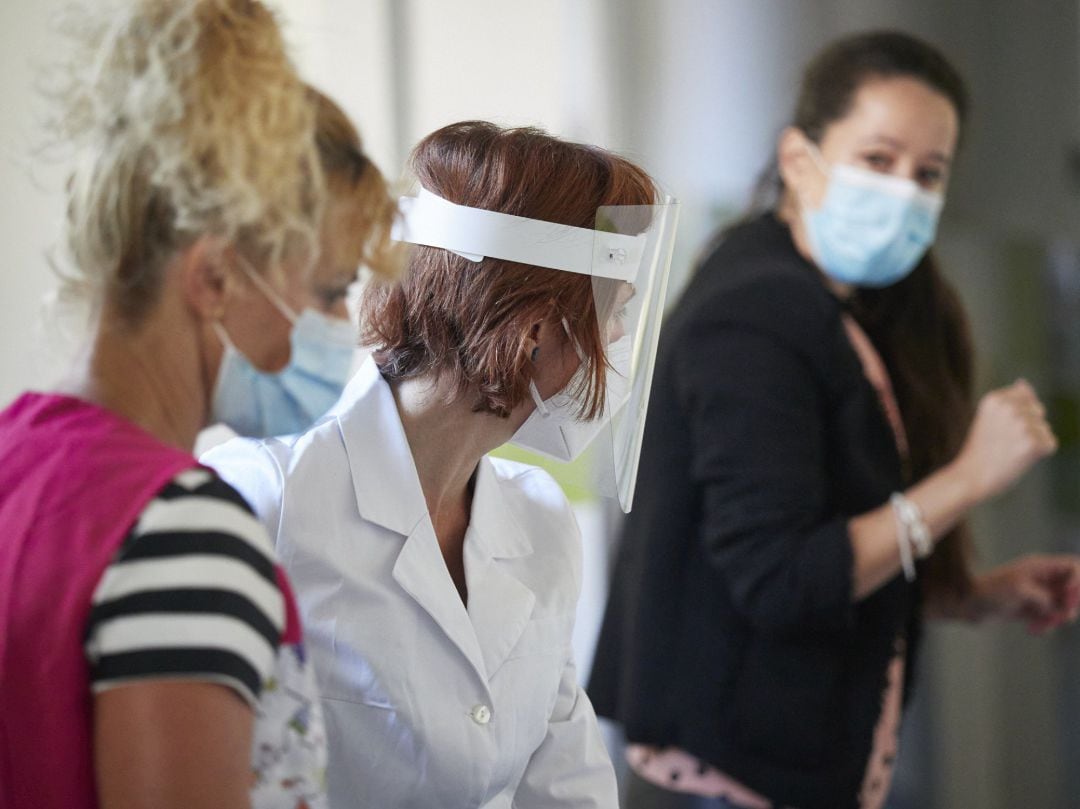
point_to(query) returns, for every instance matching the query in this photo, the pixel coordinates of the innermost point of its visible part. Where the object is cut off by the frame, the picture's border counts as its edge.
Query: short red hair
(470, 319)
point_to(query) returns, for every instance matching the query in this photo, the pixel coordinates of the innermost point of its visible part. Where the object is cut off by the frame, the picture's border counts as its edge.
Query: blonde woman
(355, 231)
(150, 651)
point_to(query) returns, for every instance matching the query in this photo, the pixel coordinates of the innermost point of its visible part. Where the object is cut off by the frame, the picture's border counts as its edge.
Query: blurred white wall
(31, 207)
(345, 48)
(388, 62)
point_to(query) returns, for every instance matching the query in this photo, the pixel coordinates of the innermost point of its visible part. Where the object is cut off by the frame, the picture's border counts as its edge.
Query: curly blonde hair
(192, 121)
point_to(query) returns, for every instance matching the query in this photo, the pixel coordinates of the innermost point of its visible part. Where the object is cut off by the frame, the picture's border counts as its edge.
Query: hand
(1009, 435)
(1044, 591)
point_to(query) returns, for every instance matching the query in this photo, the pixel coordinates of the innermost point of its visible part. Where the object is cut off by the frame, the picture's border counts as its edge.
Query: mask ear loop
(229, 348)
(271, 295)
(573, 340)
(268, 290)
(541, 407)
(223, 335)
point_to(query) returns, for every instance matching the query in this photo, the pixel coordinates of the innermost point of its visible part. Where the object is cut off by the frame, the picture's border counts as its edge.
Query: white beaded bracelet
(903, 539)
(918, 533)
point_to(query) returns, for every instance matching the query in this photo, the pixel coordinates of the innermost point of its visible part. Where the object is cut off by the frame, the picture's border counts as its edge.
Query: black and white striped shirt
(193, 593)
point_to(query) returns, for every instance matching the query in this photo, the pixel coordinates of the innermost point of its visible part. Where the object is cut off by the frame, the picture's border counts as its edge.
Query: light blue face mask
(872, 229)
(259, 404)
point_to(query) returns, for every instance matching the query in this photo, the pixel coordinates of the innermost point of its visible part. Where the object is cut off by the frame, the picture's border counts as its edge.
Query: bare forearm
(943, 498)
(1009, 435)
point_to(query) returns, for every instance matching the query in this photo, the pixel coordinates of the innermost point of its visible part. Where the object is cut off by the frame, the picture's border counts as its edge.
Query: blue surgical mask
(872, 229)
(257, 403)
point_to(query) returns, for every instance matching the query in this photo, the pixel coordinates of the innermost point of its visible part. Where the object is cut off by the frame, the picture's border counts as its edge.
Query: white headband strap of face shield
(476, 233)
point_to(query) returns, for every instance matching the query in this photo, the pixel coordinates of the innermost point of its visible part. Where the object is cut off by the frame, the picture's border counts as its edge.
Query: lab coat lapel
(384, 479)
(388, 493)
(500, 604)
(421, 572)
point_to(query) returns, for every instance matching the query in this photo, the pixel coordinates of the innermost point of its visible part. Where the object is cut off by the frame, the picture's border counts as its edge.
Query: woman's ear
(793, 158)
(205, 278)
(532, 342)
(545, 341)
(801, 169)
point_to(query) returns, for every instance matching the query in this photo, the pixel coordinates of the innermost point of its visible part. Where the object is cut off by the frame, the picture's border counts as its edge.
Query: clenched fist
(1009, 435)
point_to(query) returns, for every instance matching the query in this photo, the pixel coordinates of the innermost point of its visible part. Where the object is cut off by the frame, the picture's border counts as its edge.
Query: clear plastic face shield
(627, 255)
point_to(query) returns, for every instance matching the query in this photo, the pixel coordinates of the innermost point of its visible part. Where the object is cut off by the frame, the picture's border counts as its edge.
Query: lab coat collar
(384, 477)
(498, 533)
(388, 492)
(500, 604)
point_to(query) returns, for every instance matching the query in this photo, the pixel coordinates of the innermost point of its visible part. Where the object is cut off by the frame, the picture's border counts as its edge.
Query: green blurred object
(1064, 412)
(1061, 326)
(1064, 415)
(572, 477)
(1029, 340)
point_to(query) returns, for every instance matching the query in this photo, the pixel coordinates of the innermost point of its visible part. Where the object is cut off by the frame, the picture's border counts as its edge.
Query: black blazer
(730, 629)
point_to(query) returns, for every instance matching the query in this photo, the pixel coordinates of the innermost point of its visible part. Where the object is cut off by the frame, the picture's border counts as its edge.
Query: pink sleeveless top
(73, 479)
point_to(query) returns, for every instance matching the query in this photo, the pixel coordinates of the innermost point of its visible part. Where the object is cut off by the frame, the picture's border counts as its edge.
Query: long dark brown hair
(918, 325)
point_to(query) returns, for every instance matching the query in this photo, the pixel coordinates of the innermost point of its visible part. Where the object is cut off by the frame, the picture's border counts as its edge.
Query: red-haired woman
(438, 585)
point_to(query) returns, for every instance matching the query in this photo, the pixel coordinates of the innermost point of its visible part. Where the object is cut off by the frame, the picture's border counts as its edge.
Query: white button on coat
(401, 660)
(481, 714)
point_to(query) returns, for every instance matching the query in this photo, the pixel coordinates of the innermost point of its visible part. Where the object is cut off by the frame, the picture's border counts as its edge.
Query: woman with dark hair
(812, 450)
(438, 585)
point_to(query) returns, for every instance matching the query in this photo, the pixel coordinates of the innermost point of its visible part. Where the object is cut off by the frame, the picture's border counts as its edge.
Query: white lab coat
(428, 704)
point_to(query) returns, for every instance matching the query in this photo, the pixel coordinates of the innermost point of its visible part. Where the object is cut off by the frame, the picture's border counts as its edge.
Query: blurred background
(697, 91)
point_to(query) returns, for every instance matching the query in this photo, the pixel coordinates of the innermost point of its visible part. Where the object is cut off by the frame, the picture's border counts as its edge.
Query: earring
(535, 353)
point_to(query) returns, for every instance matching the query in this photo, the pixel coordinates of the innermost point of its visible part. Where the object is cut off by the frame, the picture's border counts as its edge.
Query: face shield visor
(627, 256)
